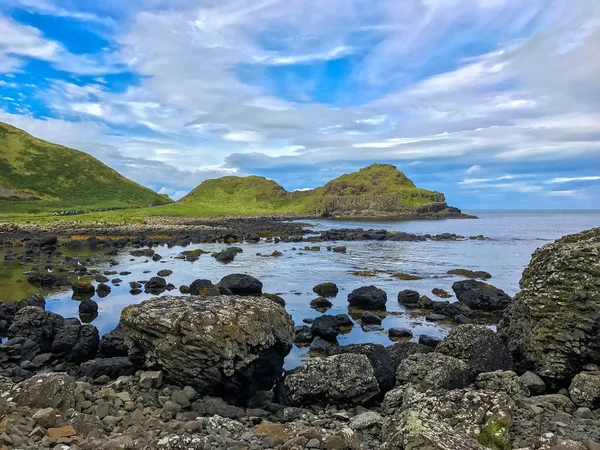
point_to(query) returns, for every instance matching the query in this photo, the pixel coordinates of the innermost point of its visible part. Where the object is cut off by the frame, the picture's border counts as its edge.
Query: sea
(511, 238)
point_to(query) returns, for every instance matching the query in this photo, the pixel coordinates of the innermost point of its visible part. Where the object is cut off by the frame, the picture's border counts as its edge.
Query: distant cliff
(379, 190)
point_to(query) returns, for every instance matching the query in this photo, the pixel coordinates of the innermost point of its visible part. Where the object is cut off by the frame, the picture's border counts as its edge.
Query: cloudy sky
(494, 102)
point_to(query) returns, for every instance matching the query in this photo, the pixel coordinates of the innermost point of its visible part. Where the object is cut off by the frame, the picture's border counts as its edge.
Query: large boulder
(585, 390)
(326, 289)
(463, 419)
(111, 367)
(368, 297)
(76, 343)
(37, 325)
(402, 350)
(326, 327)
(408, 297)
(482, 296)
(481, 348)
(553, 326)
(8, 310)
(225, 346)
(345, 380)
(47, 390)
(432, 371)
(242, 284)
(383, 364)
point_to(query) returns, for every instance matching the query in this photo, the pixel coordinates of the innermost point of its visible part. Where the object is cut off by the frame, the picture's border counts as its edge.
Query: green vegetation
(493, 434)
(41, 177)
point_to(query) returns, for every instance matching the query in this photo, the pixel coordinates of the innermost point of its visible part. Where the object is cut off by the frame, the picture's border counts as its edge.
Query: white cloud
(571, 179)
(243, 136)
(473, 169)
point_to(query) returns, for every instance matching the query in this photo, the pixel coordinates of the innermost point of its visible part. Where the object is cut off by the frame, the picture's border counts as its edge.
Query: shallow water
(513, 237)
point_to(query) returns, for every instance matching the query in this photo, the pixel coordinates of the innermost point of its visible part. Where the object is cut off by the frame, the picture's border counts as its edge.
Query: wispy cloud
(572, 179)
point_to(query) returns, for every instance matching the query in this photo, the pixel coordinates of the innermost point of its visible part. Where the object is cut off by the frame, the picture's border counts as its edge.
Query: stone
(319, 344)
(320, 302)
(365, 421)
(37, 325)
(210, 406)
(500, 380)
(46, 390)
(380, 359)
(156, 285)
(481, 296)
(402, 350)
(151, 379)
(45, 417)
(77, 343)
(326, 327)
(585, 390)
(431, 371)
(429, 341)
(409, 297)
(224, 345)
(368, 297)
(553, 326)
(346, 379)
(368, 317)
(88, 306)
(242, 284)
(400, 333)
(326, 290)
(481, 348)
(112, 344)
(62, 432)
(534, 383)
(113, 368)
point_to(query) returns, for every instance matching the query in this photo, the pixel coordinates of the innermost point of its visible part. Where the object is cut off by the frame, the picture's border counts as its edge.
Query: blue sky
(496, 103)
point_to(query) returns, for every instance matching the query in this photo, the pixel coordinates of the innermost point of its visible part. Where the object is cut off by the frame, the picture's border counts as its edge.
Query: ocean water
(513, 237)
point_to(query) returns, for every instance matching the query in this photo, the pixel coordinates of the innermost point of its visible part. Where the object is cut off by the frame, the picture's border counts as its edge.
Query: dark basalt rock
(482, 296)
(242, 284)
(37, 325)
(47, 280)
(111, 367)
(227, 255)
(88, 307)
(383, 365)
(113, 344)
(326, 289)
(240, 349)
(156, 285)
(77, 343)
(553, 326)
(409, 298)
(402, 350)
(481, 348)
(326, 327)
(368, 297)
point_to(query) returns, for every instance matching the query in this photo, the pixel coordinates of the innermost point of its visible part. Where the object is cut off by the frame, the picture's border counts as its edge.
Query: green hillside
(38, 176)
(377, 190)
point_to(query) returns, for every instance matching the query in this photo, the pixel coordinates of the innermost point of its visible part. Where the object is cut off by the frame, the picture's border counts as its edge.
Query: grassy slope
(56, 178)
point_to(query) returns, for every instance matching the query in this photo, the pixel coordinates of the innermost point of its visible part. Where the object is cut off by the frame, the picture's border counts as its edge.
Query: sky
(496, 103)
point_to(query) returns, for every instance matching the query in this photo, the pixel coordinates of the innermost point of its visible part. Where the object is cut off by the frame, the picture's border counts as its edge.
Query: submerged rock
(226, 346)
(346, 379)
(553, 326)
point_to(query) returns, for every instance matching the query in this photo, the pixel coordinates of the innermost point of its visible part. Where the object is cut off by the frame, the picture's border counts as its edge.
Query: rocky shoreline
(205, 371)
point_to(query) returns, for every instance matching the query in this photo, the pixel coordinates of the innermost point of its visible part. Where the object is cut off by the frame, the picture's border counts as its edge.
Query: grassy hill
(377, 190)
(38, 176)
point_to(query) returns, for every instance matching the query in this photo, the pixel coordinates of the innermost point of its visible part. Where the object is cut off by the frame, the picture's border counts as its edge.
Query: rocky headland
(205, 371)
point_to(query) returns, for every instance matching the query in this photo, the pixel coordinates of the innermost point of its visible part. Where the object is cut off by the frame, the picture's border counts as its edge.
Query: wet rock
(164, 273)
(88, 307)
(346, 379)
(430, 371)
(77, 343)
(383, 365)
(400, 333)
(429, 341)
(409, 298)
(553, 326)
(585, 390)
(320, 302)
(47, 390)
(200, 287)
(45, 279)
(241, 284)
(113, 344)
(368, 297)
(239, 351)
(481, 348)
(435, 317)
(319, 344)
(156, 285)
(481, 296)
(227, 255)
(470, 273)
(303, 334)
(326, 289)
(368, 317)
(37, 325)
(103, 290)
(276, 298)
(441, 293)
(326, 327)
